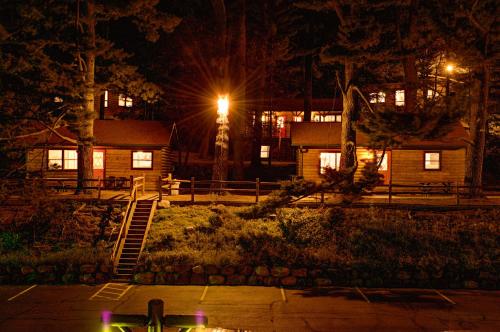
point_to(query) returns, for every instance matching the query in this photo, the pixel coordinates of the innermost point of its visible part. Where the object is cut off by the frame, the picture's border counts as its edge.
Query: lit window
(377, 97)
(55, 158)
(142, 159)
(400, 97)
(316, 117)
(124, 100)
(264, 151)
(62, 160)
(432, 160)
(338, 118)
(280, 122)
(329, 159)
(58, 100)
(383, 164)
(106, 98)
(98, 160)
(329, 118)
(297, 119)
(70, 159)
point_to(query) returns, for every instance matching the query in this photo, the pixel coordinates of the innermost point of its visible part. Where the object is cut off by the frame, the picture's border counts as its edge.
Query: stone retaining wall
(249, 275)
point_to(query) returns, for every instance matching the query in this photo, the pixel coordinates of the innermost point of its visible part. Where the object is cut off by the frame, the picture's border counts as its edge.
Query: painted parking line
(283, 294)
(446, 298)
(111, 291)
(204, 294)
(21, 293)
(362, 294)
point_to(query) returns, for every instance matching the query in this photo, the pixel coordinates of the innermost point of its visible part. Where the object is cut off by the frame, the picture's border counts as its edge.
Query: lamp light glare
(223, 105)
(450, 67)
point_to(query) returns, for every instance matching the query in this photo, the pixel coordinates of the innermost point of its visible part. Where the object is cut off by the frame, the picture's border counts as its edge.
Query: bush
(10, 241)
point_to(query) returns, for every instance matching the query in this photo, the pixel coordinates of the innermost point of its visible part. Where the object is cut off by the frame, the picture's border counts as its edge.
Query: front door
(98, 163)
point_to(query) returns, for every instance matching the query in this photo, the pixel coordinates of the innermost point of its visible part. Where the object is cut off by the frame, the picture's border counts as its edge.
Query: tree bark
(308, 90)
(478, 127)
(238, 112)
(85, 122)
(411, 83)
(348, 133)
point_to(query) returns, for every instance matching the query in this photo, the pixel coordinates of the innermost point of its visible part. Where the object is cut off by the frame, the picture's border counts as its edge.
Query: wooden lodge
(416, 161)
(122, 148)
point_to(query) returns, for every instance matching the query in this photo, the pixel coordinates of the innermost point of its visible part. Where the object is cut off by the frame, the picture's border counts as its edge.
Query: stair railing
(127, 219)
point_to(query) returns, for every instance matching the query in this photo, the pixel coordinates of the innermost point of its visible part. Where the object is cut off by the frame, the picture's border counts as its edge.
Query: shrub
(10, 241)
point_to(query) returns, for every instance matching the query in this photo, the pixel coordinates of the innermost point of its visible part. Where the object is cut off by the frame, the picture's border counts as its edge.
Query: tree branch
(355, 88)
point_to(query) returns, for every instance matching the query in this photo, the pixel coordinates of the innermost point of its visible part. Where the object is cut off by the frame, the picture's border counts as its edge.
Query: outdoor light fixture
(450, 67)
(223, 105)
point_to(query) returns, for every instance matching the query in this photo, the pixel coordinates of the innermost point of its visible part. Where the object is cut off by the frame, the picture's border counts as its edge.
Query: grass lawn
(385, 239)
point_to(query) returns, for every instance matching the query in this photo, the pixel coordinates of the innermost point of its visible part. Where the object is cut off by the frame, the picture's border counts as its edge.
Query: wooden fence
(258, 188)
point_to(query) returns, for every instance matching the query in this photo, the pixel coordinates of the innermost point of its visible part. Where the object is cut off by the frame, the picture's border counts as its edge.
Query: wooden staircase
(132, 242)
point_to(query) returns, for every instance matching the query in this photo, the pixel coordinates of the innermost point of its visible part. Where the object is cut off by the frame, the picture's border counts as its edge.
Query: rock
(198, 269)
(216, 280)
(69, 278)
(182, 268)
(144, 278)
(280, 271)
(46, 268)
(155, 268)
(236, 279)
(322, 282)
(245, 270)
(182, 279)
(27, 270)
(87, 278)
(403, 275)
(271, 281)
(198, 279)
(315, 273)
(301, 273)
(105, 268)
(211, 269)
(87, 268)
(471, 284)
(262, 271)
(289, 281)
(228, 270)
(168, 269)
(101, 277)
(163, 204)
(164, 278)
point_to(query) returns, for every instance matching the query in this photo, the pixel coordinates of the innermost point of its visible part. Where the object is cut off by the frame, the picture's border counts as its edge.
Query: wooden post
(159, 189)
(131, 184)
(192, 189)
(390, 192)
(143, 183)
(457, 190)
(99, 188)
(322, 197)
(257, 190)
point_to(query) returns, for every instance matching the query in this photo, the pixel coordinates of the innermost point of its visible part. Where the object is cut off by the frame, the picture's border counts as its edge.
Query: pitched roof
(118, 133)
(327, 134)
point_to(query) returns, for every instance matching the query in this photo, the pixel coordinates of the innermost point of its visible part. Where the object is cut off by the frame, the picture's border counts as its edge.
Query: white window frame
(64, 163)
(94, 158)
(139, 157)
(329, 159)
(399, 97)
(377, 97)
(431, 164)
(106, 96)
(264, 151)
(124, 100)
(383, 165)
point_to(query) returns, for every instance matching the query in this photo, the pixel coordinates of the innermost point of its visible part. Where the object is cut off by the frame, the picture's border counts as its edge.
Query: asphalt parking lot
(79, 307)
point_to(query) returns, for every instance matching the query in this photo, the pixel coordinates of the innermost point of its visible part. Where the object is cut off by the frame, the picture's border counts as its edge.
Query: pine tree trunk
(348, 134)
(239, 111)
(477, 160)
(308, 90)
(85, 122)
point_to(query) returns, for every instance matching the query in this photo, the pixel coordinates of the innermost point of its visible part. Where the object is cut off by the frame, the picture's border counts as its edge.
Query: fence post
(131, 184)
(192, 189)
(322, 197)
(457, 189)
(257, 190)
(159, 189)
(390, 192)
(99, 188)
(143, 183)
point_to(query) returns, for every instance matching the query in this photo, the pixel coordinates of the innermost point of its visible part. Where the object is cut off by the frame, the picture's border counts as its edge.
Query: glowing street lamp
(450, 67)
(449, 70)
(221, 143)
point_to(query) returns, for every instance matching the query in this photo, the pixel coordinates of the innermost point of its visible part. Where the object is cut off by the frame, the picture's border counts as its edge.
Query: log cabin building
(122, 148)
